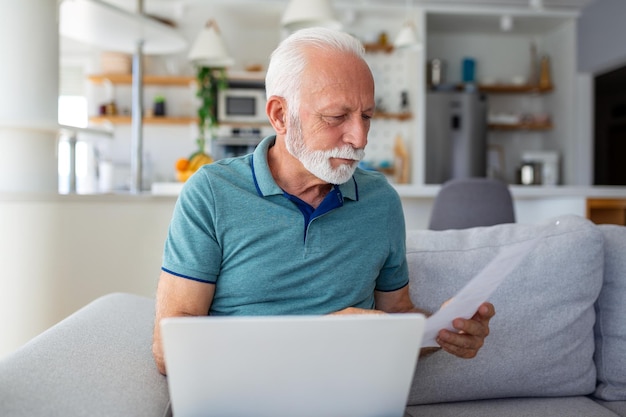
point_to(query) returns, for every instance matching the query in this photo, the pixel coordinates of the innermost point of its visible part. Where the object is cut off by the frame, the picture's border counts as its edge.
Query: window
(72, 100)
(72, 111)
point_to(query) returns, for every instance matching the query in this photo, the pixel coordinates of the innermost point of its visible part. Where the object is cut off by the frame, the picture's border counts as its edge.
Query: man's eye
(335, 119)
(366, 117)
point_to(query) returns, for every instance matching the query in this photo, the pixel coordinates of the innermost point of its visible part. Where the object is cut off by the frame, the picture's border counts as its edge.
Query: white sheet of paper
(477, 290)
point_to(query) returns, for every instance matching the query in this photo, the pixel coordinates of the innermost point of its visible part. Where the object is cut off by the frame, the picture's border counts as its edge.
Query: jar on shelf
(545, 76)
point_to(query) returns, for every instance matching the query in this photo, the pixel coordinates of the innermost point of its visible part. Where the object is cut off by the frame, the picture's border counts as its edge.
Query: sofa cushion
(541, 341)
(610, 326)
(618, 407)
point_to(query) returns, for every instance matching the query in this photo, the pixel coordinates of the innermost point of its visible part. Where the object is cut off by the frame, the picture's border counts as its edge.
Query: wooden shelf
(377, 47)
(393, 116)
(607, 210)
(165, 80)
(168, 120)
(521, 126)
(147, 120)
(513, 89)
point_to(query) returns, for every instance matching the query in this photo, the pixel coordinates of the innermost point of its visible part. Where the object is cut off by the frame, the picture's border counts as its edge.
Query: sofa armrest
(96, 362)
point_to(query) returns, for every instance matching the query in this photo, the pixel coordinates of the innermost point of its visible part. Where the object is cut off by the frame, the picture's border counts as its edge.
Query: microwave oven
(242, 103)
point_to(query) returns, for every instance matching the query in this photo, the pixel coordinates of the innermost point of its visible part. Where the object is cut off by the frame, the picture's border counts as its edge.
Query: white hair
(288, 61)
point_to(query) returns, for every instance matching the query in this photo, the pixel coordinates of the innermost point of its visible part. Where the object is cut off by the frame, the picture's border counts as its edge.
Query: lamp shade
(301, 14)
(506, 23)
(407, 38)
(209, 49)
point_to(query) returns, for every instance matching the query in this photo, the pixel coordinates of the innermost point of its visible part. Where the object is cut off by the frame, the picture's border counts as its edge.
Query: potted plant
(209, 80)
(159, 105)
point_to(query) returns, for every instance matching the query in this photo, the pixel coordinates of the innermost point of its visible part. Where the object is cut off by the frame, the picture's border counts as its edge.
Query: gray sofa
(557, 346)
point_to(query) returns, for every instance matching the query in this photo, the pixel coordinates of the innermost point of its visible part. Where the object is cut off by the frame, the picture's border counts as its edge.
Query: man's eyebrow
(369, 110)
(346, 109)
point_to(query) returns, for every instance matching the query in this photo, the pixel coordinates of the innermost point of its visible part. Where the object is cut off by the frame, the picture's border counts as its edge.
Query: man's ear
(276, 109)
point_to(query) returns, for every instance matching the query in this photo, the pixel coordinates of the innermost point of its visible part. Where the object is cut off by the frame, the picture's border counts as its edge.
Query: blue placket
(333, 200)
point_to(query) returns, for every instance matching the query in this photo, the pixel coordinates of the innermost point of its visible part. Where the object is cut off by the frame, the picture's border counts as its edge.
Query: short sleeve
(191, 248)
(394, 274)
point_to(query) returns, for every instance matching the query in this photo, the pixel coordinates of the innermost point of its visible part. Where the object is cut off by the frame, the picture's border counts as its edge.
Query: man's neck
(293, 178)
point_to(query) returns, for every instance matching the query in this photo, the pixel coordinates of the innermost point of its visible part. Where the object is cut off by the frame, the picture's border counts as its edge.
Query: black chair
(471, 202)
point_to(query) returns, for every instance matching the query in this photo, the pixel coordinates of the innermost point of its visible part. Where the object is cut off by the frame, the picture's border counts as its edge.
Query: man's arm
(178, 297)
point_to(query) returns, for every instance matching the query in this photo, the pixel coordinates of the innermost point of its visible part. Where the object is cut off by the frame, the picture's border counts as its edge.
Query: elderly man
(296, 227)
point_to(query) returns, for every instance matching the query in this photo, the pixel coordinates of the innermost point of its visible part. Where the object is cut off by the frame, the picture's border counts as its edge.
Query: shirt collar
(265, 183)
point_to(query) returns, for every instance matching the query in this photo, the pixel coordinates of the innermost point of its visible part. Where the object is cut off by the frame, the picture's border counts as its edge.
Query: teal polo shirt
(269, 254)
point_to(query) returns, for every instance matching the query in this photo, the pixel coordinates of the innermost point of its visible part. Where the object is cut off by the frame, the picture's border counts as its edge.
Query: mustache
(346, 152)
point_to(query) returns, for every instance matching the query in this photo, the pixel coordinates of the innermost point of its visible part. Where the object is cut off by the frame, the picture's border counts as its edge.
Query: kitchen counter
(532, 203)
(527, 191)
(118, 197)
(60, 252)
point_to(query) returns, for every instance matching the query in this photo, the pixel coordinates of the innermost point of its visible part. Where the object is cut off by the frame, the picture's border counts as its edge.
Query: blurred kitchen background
(520, 59)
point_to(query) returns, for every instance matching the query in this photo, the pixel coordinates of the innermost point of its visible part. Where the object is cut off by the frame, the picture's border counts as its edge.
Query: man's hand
(472, 333)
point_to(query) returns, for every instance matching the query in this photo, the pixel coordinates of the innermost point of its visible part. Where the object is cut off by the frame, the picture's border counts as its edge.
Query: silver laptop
(291, 366)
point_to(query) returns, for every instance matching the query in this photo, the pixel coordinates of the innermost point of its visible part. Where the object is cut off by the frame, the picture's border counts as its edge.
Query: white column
(29, 73)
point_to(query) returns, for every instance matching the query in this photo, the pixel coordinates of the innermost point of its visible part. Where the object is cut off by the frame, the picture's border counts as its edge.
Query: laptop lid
(291, 366)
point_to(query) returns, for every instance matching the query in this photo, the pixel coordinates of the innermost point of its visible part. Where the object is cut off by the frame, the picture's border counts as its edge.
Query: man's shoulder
(373, 185)
(237, 162)
(221, 174)
(228, 168)
(372, 179)
(369, 174)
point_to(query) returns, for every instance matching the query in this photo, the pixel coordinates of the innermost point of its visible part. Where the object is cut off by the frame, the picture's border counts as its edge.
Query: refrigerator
(456, 135)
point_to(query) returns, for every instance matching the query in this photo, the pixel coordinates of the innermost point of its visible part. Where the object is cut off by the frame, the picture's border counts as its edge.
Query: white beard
(318, 162)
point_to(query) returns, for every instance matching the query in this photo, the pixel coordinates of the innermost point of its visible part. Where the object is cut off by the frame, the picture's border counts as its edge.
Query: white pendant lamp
(209, 49)
(301, 14)
(407, 38)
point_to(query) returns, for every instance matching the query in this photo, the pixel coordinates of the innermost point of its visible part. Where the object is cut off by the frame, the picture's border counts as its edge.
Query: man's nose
(356, 134)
